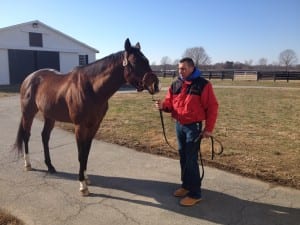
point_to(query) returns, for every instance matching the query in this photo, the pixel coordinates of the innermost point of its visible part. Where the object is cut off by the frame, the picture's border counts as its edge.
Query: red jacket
(192, 101)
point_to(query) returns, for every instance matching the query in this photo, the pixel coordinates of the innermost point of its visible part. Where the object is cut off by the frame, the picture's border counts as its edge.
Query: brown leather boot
(188, 201)
(180, 192)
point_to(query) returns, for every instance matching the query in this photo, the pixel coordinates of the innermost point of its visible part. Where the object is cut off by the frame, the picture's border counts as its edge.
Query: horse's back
(42, 78)
(41, 84)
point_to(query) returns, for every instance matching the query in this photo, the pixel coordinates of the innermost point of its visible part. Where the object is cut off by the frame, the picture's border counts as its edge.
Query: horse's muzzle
(151, 83)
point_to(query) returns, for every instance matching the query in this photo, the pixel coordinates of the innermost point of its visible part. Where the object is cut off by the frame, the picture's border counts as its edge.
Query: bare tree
(262, 62)
(153, 63)
(176, 61)
(198, 54)
(287, 58)
(248, 62)
(165, 60)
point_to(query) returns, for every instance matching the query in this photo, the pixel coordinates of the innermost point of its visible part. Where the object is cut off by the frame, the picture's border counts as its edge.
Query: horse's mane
(100, 65)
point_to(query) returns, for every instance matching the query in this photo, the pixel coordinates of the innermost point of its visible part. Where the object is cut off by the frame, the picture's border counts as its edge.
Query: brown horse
(80, 97)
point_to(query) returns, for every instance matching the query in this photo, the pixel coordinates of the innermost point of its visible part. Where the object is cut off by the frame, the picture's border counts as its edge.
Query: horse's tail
(28, 107)
(18, 146)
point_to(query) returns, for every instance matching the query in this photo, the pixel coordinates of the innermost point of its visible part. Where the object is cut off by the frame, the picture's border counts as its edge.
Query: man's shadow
(216, 207)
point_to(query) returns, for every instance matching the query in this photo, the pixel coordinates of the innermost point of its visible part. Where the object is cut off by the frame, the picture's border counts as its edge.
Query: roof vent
(35, 25)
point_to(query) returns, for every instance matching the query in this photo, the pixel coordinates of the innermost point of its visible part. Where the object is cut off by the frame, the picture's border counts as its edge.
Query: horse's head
(137, 70)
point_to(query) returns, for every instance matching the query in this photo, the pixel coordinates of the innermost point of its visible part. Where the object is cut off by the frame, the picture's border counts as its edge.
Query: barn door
(24, 62)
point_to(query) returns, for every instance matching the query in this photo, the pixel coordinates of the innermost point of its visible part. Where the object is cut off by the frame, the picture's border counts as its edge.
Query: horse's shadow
(216, 207)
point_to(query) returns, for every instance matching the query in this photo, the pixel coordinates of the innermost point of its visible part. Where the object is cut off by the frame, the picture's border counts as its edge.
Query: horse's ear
(127, 45)
(138, 46)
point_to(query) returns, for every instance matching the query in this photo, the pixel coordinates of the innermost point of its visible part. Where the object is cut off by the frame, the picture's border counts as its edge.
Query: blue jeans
(188, 152)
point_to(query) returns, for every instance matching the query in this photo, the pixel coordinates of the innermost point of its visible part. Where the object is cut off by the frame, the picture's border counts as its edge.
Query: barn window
(83, 60)
(35, 39)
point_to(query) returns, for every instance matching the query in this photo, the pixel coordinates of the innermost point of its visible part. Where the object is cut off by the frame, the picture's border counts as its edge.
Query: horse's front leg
(85, 133)
(84, 147)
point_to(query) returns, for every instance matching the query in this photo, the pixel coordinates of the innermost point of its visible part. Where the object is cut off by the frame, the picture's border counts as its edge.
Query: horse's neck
(106, 84)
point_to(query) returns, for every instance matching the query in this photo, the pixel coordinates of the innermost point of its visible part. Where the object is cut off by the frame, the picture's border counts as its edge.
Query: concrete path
(128, 187)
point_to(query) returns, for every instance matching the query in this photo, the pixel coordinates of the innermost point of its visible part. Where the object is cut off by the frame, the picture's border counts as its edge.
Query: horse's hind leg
(26, 127)
(48, 126)
(26, 136)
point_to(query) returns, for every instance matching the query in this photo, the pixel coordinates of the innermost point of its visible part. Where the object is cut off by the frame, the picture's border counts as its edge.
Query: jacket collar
(195, 74)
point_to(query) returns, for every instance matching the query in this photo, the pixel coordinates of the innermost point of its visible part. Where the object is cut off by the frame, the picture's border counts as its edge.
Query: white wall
(68, 61)
(4, 68)
(17, 37)
(92, 57)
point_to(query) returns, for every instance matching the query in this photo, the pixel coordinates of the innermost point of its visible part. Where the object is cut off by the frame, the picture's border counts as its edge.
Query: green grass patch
(7, 90)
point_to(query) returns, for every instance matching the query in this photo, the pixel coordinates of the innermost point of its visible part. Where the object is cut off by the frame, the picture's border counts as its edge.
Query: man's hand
(206, 134)
(158, 104)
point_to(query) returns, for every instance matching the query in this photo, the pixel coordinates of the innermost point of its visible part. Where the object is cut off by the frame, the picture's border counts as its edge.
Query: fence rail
(240, 74)
(278, 75)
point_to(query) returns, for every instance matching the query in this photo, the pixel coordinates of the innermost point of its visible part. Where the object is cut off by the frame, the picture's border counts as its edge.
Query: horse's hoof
(28, 167)
(84, 192)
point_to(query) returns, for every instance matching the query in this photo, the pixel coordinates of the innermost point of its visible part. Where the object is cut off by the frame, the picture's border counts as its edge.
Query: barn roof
(48, 27)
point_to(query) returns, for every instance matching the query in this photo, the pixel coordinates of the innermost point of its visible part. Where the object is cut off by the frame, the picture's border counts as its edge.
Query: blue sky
(229, 30)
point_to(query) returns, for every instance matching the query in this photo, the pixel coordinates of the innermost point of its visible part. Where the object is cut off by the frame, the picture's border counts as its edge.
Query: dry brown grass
(7, 219)
(259, 129)
(7, 90)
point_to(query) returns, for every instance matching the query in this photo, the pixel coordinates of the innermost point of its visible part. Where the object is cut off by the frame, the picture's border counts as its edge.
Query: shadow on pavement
(216, 207)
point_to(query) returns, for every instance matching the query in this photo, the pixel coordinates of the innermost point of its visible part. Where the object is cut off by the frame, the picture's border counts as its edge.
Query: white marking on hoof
(27, 164)
(83, 188)
(27, 167)
(85, 192)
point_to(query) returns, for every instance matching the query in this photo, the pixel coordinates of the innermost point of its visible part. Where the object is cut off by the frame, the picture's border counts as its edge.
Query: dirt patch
(7, 219)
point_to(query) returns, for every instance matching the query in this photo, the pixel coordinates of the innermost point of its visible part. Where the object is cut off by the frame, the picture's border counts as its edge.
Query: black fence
(278, 75)
(218, 74)
(206, 74)
(229, 74)
(166, 73)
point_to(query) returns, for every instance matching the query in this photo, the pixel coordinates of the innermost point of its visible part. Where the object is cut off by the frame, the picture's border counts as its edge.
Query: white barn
(34, 45)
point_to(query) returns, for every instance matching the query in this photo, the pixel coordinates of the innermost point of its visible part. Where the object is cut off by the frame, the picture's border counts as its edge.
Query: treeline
(230, 66)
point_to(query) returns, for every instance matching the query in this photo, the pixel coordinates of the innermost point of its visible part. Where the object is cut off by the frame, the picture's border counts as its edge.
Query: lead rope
(212, 139)
(213, 152)
(163, 127)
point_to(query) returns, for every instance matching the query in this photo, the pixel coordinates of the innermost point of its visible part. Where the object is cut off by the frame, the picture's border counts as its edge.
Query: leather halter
(128, 68)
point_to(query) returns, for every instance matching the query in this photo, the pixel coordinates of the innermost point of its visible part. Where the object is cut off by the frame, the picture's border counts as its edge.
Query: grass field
(7, 219)
(259, 128)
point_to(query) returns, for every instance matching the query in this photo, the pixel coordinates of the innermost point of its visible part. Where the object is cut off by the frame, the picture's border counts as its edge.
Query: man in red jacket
(190, 100)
